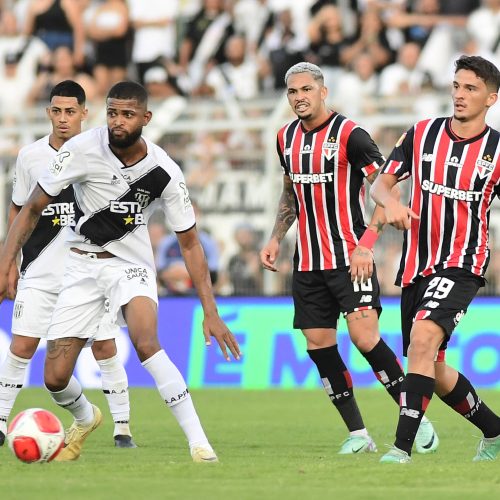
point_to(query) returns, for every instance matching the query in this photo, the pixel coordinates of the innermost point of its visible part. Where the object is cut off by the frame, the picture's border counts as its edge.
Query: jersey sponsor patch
(184, 193)
(60, 162)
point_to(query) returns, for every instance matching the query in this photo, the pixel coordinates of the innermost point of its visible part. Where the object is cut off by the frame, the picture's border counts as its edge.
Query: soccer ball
(35, 435)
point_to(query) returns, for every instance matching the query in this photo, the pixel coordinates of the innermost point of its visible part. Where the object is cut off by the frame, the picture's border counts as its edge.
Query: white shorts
(32, 316)
(94, 291)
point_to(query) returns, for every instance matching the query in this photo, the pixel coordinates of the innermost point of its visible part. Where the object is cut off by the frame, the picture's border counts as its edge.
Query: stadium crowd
(397, 53)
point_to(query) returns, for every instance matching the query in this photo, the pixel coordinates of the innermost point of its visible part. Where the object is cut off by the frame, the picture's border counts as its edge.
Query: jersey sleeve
(280, 150)
(69, 166)
(362, 152)
(21, 184)
(177, 204)
(400, 160)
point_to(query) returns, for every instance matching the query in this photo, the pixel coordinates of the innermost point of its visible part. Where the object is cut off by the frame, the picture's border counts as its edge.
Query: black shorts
(442, 297)
(320, 296)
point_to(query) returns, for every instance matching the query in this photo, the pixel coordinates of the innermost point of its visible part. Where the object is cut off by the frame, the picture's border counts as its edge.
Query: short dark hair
(69, 88)
(128, 90)
(483, 68)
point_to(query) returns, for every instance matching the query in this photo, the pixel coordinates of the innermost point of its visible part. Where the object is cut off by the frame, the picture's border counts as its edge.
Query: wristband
(368, 239)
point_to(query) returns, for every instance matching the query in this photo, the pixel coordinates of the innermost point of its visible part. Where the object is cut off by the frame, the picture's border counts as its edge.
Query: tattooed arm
(19, 233)
(284, 219)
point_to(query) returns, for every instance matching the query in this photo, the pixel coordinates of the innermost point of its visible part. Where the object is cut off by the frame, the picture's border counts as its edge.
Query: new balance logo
(365, 299)
(409, 413)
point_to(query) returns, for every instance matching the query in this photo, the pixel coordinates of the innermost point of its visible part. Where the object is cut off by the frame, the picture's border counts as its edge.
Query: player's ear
(147, 117)
(492, 99)
(324, 93)
(85, 114)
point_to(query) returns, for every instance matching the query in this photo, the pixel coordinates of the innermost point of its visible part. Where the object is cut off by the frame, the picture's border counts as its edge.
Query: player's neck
(131, 154)
(56, 142)
(315, 122)
(467, 129)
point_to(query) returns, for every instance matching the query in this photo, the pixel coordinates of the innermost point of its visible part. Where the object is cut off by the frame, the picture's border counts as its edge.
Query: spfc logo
(330, 148)
(485, 166)
(18, 309)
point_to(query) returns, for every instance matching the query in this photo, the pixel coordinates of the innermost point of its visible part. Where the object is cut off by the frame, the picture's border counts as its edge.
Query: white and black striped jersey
(453, 183)
(43, 255)
(113, 202)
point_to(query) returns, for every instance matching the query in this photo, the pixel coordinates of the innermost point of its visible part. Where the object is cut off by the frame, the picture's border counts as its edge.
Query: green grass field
(271, 445)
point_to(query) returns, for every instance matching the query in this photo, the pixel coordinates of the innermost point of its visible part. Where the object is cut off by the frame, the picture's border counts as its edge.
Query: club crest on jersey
(60, 162)
(143, 197)
(330, 148)
(485, 166)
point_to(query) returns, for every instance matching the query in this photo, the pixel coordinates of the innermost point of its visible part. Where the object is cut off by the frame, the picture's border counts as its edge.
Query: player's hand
(213, 326)
(398, 215)
(361, 264)
(12, 282)
(269, 255)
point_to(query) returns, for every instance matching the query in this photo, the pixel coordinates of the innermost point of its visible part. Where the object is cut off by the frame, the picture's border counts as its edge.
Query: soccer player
(325, 158)
(42, 268)
(119, 178)
(454, 165)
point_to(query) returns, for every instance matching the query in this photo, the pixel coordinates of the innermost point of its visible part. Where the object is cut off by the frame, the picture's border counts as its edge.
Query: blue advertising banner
(274, 353)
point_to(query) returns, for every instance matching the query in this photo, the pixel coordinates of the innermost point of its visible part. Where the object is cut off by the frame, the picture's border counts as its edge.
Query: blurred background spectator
(172, 273)
(108, 30)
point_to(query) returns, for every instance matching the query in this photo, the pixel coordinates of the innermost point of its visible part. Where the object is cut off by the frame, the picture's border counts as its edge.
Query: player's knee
(366, 342)
(23, 347)
(56, 379)
(104, 349)
(146, 347)
(421, 347)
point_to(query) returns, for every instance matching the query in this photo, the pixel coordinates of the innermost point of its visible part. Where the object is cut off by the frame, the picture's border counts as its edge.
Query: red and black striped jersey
(327, 166)
(453, 184)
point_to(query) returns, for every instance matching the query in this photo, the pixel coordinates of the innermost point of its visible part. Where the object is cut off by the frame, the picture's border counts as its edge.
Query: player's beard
(127, 140)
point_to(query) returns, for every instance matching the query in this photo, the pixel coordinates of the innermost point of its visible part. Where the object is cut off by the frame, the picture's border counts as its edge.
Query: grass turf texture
(271, 445)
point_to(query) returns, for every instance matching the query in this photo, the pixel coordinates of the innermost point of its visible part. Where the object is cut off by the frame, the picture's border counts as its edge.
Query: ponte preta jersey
(113, 202)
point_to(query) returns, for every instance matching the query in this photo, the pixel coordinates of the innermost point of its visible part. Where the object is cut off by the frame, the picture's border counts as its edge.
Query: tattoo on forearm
(379, 226)
(26, 232)
(286, 214)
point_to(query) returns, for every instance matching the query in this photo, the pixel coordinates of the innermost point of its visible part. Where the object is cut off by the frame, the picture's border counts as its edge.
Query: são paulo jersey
(43, 255)
(454, 182)
(113, 202)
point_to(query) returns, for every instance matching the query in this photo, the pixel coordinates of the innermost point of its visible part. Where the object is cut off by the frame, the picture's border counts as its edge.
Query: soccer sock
(416, 393)
(71, 398)
(464, 400)
(12, 375)
(387, 368)
(338, 385)
(115, 387)
(173, 390)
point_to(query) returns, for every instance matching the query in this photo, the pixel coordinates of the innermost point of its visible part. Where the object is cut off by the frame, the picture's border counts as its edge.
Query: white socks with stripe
(173, 390)
(71, 398)
(12, 374)
(115, 387)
